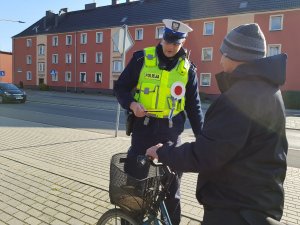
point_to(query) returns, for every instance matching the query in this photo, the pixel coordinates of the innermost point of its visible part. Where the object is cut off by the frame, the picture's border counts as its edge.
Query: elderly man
(241, 153)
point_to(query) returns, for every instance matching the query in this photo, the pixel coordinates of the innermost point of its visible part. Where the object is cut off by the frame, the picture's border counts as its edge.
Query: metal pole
(123, 66)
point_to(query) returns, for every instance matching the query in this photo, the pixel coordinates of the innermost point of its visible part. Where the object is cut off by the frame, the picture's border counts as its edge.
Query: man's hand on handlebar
(151, 152)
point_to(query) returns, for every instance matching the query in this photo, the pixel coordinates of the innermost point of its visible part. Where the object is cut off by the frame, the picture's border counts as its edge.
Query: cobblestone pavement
(53, 175)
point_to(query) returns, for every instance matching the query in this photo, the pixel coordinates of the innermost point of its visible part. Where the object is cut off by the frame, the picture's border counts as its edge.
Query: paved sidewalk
(54, 175)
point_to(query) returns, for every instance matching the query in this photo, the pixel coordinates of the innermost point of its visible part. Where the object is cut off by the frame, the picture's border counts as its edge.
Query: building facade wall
(196, 42)
(6, 66)
(288, 39)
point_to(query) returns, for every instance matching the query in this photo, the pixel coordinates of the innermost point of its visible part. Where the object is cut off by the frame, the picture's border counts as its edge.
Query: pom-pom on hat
(175, 31)
(244, 43)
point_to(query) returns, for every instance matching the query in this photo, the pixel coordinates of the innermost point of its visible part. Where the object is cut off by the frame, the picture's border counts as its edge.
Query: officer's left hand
(152, 151)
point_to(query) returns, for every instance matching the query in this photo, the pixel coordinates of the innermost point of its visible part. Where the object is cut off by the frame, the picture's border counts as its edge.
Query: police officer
(164, 86)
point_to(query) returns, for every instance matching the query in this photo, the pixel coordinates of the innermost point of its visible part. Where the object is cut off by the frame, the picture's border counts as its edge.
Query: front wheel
(116, 217)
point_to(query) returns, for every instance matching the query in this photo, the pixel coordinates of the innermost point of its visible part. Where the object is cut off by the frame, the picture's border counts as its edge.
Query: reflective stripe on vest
(154, 85)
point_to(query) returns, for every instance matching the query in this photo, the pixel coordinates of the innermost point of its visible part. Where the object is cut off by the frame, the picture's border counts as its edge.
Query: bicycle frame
(164, 214)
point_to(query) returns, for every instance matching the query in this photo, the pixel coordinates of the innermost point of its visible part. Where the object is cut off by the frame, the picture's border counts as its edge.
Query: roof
(150, 12)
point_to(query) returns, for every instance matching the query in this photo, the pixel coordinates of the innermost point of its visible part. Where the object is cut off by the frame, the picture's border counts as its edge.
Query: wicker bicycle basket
(134, 195)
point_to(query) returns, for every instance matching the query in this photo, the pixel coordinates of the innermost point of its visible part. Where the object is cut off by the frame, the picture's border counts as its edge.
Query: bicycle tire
(118, 215)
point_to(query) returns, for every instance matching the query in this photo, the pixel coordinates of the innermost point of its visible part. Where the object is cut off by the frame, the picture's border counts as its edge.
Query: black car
(11, 93)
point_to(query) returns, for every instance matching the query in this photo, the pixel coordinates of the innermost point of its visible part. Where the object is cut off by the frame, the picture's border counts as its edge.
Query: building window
(98, 77)
(209, 28)
(115, 48)
(68, 58)
(28, 75)
(159, 32)
(69, 40)
(41, 49)
(98, 57)
(274, 49)
(54, 58)
(28, 43)
(28, 59)
(276, 22)
(83, 38)
(83, 77)
(41, 67)
(54, 76)
(207, 54)
(99, 37)
(205, 79)
(82, 57)
(117, 66)
(68, 76)
(55, 41)
(139, 34)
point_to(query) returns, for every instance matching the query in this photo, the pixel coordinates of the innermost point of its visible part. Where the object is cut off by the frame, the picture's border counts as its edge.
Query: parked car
(11, 93)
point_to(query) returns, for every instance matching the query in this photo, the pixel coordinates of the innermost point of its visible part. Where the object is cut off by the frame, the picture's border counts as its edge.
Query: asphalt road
(96, 114)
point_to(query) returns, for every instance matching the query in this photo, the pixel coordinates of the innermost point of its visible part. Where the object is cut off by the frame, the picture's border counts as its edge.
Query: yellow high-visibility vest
(154, 85)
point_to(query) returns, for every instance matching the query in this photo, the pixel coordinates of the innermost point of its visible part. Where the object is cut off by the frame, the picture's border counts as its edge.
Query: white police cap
(175, 31)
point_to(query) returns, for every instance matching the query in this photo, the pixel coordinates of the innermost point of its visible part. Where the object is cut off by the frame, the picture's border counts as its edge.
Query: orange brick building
(73, 51)
(5, 67)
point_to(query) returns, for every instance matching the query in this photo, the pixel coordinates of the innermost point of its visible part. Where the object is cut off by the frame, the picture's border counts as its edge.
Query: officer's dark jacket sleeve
(193, 103)
(219, 141)
(128, 80)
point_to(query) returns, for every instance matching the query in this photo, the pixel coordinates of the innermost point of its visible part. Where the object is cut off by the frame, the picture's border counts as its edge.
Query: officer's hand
(138, 109)
(151, 152)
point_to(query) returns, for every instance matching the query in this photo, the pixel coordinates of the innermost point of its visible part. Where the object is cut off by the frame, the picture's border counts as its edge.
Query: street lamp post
(16, 21)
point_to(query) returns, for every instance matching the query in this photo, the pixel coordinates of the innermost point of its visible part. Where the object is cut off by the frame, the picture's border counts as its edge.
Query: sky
(30, 11)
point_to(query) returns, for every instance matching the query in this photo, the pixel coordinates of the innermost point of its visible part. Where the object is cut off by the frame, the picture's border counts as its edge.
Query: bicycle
(139, 201)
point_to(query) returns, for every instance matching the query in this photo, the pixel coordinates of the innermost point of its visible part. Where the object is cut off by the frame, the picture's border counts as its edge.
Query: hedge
(291, 99)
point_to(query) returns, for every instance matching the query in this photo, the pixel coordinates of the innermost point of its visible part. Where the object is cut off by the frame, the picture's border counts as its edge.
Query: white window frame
(84, 77)
(117, 66)
(28, 43)
(83, 57)
(28, 75)
(98, 74)
(41, 66)
(202, 79)
(68, 58)
(159, 32)
(68, 76)
(54, 58)
(83, 38)
(28, 59)
(271, 22)
(203, 55)
(205, 28)
(68, 39)
(55, 41)
(54, 77)
(41, 49)
(99, 57)
(274, 46)
(99, 37)
(139, 34)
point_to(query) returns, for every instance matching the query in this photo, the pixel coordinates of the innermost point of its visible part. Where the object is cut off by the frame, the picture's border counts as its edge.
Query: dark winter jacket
(129, 78)
(241, 154)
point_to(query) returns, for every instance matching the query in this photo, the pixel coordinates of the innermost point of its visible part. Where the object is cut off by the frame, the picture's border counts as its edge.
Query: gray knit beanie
(244, 43)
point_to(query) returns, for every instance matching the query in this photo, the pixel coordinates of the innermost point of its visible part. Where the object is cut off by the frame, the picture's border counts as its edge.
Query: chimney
(127, 1)
(114, 2)
(49, 19)
(90, 6)
(63, 10)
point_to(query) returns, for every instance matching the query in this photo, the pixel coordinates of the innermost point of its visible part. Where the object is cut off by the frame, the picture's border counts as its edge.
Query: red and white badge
(178, 90)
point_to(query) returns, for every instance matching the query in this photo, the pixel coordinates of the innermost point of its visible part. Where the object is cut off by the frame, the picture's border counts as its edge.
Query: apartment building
(74, 51)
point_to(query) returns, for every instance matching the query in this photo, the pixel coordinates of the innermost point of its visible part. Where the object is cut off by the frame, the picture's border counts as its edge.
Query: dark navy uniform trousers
(146, 134)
